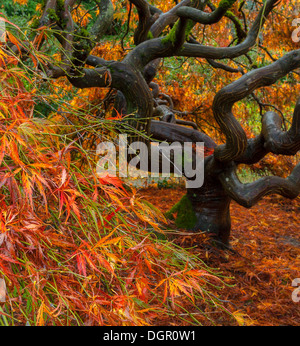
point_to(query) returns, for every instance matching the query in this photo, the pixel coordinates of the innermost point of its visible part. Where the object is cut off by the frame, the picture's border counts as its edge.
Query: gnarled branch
(248, 195)
(104, 19)
(204, 17)
(145, 21)
(192, 50)
(166, 19)
(278, 141)
(130, 82)
(236, 140)
(170, 132)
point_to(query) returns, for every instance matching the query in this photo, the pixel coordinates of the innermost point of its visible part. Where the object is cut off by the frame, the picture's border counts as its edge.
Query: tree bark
(206, 208)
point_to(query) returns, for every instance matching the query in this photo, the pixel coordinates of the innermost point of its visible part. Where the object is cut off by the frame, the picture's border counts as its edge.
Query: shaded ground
(265, 260)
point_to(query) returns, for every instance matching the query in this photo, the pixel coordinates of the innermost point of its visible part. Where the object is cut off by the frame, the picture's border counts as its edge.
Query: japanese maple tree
(168, 30)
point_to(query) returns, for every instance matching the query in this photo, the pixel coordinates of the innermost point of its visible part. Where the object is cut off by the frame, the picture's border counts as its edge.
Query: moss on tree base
(186, 217)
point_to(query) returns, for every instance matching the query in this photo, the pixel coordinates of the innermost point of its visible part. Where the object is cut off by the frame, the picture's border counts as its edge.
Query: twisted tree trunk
(206, 208)
(209, 208)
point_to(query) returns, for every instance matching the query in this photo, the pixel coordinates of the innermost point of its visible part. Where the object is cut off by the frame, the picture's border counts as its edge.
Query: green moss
(52, 15)
(186, 217)
(171, 37)
(231, 15)
(82, 33)
(55, 15)
(189, 27)
(149, 35)
(226, 4)
(82, 44)
(237, 24)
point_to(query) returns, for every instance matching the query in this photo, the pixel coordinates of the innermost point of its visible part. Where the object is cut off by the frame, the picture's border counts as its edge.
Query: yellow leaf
(242, 318)
(40, 318)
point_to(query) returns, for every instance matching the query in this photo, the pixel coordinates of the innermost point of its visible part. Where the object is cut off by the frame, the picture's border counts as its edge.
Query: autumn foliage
(76, 249)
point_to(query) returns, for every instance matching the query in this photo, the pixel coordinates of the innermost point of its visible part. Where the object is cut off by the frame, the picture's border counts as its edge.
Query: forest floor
(265, 258)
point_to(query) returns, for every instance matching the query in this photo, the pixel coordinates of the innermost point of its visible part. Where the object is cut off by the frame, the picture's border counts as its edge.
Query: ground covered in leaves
(264, 261)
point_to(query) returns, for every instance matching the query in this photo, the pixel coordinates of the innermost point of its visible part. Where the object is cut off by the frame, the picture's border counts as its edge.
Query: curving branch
(150, 70)
(254, 152)
(68, 32)
(248, 195)
(165, 114)
(50, 5)
(157, 48)
(96, 61)
(187, 123)
(130, 82)
(240, 32)
(166, 19)
(104, 19)
(273, 139)
(170, 132)
(192, 50)
(236, 140)
(145, 20)
(173, 44)
(62, 21)
(278, 141)
(205, 17)
(139, 100)
(224, 67)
